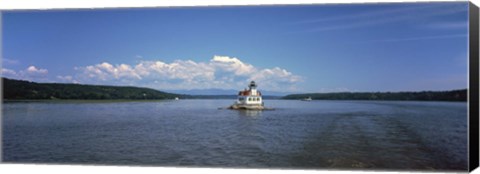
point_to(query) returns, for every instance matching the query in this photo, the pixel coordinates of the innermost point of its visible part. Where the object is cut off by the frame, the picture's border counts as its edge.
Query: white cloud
(220, 72)
(277, 79)
(32, 70)
(31, 73)
(276, 74)
(8, 72)
(106, 71)
(233, 65)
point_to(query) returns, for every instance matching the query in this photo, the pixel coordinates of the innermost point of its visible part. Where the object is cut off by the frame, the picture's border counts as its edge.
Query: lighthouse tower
(253, 88)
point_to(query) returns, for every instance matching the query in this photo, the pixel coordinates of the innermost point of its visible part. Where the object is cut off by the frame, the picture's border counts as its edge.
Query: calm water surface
(298, 134)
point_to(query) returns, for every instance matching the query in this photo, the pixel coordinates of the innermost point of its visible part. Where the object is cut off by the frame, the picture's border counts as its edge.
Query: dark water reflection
(317, 134)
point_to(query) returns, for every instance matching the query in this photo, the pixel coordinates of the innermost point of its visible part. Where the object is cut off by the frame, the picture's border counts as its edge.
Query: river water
(389, 135)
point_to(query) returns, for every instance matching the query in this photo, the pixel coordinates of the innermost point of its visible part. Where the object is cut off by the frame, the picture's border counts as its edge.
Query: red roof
(247, 93)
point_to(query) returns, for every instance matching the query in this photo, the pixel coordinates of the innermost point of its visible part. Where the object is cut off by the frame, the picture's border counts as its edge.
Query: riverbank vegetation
(24, 90)
(453, 95)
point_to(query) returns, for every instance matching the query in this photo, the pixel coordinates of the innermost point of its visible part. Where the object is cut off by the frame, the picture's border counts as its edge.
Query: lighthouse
(249, 98)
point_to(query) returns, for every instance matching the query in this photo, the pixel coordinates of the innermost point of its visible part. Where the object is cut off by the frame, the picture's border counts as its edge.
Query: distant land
(453, 95)
(25, 90)
(214, 91)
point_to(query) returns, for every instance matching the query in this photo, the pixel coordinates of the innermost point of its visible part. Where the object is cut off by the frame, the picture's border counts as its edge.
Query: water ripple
(317, 134)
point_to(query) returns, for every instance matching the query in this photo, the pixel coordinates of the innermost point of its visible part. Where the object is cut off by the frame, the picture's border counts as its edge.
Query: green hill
(453, 95)
(24, 90)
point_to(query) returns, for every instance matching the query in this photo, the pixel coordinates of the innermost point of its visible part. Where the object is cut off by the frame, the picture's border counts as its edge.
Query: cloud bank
(34, 71)
(221, 72)
(31, 73)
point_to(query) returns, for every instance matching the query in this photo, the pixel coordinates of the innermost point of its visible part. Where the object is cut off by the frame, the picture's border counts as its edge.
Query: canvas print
(375, 86)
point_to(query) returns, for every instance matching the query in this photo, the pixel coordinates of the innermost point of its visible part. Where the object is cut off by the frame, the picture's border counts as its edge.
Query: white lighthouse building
(249, 98)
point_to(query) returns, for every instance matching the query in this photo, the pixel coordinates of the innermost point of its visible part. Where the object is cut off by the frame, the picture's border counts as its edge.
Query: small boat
(307, 99)
(176, 98)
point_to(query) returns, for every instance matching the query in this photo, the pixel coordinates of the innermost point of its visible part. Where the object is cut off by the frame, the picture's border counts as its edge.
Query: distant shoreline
(19, 90)
(77, 100)
(452, 95)
(170, 100)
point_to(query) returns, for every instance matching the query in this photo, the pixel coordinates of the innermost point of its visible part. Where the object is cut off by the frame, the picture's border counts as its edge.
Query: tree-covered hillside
(454, 95)
(24, 90)
(21, 90)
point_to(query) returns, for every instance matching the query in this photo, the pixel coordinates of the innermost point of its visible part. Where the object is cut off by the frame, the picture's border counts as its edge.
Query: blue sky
(302, 48)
